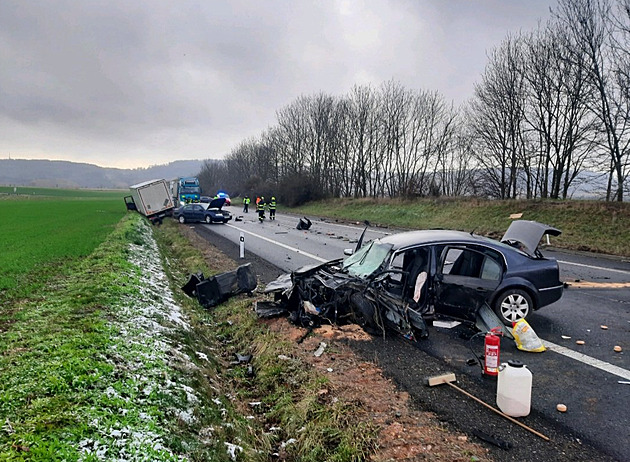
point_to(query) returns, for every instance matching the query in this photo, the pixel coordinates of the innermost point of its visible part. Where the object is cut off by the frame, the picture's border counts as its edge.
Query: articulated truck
(152, 199)
(186, 190)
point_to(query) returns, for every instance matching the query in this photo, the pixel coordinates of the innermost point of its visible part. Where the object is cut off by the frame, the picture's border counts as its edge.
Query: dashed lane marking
(280, 244)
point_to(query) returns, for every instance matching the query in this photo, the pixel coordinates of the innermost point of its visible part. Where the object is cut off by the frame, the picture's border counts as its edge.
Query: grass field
(46, 232)
(21, 192)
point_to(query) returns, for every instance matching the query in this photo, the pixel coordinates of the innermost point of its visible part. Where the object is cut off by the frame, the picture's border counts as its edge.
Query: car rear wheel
(512, 305)
(208, 219)
(182, 219)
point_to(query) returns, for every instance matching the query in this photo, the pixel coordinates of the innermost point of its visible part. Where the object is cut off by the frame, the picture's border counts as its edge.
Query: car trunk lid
(528, 234)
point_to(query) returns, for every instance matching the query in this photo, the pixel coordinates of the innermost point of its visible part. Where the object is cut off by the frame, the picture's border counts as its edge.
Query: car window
(397, 265)
(465, 263)
(491, 269)
(470, 263)
(452, 254)
(367, 260)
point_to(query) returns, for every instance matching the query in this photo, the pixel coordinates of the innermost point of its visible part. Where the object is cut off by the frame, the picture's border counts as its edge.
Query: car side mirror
(348, 251)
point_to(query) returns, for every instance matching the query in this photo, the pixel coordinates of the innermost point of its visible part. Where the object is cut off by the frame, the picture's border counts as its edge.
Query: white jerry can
(514, 389)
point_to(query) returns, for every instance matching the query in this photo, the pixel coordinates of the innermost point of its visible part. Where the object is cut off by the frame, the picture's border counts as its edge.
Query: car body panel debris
(217, 289)
(304, 224)
(404, 281)
(190, 288)
(265, 309)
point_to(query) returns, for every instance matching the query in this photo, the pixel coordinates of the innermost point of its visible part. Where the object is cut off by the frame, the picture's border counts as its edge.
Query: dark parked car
(405, 279)
(198, 212)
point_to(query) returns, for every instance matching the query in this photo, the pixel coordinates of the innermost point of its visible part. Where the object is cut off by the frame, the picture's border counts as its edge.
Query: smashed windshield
(367, 260)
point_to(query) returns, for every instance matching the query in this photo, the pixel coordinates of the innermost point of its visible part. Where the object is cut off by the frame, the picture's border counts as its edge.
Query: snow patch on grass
(142, 349)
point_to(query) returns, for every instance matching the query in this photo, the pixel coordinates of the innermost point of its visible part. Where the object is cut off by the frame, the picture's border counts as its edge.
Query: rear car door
(465, 278)
(197, 212)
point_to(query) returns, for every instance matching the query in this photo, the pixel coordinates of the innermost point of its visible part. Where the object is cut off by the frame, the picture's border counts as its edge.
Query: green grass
(585, 225)
(66, 380)
(30, 192)
(38, 236)
(100, 365)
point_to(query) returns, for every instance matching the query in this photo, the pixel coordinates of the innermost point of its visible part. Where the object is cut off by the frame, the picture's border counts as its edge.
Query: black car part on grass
(217, 289)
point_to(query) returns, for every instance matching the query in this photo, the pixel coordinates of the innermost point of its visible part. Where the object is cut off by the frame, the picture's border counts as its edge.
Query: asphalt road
(586, 378)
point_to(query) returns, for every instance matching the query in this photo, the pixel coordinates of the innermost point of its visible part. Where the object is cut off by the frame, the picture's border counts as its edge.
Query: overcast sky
(134, 83)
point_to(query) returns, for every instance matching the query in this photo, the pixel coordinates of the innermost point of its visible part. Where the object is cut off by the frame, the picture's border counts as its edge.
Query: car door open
(464, 280)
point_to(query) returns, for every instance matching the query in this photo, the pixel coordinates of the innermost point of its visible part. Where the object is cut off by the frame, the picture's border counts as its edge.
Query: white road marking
(604, 366)
(607, 367)
(288, 247)
(595, 267)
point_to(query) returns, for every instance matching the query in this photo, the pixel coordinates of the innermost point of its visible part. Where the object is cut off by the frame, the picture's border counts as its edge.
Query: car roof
(433, 236)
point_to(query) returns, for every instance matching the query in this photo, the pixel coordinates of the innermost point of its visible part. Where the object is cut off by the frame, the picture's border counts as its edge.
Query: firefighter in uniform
(260, 208)
(272, 208)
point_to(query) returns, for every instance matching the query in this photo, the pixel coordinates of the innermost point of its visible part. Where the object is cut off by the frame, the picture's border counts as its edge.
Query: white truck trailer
(152, 199)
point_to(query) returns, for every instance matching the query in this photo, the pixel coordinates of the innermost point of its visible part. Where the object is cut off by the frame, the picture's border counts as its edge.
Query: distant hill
(63, 174)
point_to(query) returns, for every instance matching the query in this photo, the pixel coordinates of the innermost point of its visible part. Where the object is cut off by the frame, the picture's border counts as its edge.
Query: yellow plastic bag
(525, 337)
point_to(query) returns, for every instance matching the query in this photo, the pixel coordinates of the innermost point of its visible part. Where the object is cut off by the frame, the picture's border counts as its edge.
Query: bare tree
(562, 129)
(592, 29)
(496, 115)
(213, 175)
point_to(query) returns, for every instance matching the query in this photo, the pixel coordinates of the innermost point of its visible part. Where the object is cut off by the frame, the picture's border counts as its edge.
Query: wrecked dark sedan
(212, 213)
(404, 280)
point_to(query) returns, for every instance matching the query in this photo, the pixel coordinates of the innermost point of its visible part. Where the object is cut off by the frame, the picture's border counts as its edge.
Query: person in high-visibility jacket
(260, 208)
(272, 208)
(246, 202)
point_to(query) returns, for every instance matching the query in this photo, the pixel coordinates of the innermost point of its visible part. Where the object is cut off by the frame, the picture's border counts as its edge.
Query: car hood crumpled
(528, 234)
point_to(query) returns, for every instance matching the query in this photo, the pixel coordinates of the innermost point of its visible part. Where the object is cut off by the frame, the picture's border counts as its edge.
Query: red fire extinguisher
(491, 349)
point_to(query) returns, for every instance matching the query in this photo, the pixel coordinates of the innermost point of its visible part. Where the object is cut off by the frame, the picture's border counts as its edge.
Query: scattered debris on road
(304, 224)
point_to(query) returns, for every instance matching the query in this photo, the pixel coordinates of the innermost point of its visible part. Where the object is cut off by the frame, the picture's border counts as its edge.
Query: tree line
(550, 104)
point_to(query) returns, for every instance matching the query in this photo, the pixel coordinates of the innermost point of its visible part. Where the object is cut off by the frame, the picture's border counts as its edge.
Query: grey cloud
(90, 80)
